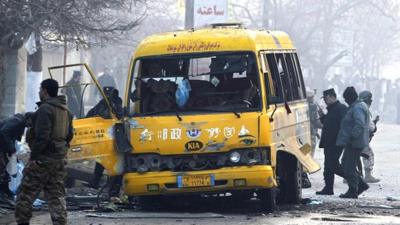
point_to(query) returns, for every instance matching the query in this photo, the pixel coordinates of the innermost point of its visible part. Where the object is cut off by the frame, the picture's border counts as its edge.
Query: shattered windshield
(184, 83)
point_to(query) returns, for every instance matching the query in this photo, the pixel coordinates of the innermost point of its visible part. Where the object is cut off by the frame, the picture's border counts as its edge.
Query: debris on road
(157, 215)
(331, 219)
(310, 201)
(378, 206)
(392, 199)
(37, 204)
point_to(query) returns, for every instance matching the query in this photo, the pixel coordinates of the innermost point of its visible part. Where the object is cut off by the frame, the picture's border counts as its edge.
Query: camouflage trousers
(4, 176)
(46, 176)
(368, 162)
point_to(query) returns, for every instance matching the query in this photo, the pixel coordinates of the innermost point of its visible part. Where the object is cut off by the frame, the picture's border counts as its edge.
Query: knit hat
(350, 95)
(365, 96)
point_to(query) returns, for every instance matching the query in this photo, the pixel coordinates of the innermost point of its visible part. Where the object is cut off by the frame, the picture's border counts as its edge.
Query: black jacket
(74, 95)
(101, 109)
(52, 128)
(11, 129)
(331, 124)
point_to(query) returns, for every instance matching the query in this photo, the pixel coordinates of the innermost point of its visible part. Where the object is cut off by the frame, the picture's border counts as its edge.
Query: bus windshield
(183, 83)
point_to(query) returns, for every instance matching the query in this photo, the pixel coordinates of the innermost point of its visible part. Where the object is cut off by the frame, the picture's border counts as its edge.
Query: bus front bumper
(219, 180)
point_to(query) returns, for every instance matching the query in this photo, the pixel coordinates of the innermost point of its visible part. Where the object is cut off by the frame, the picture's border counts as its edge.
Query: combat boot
(325, 191)
(369, 178)
(351, 193)
(362, 186)
(305, 182)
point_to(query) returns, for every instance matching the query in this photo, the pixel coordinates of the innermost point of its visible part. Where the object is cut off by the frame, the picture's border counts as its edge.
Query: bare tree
(318, 31)
(64, 20)
(376, 41)
(80, 22)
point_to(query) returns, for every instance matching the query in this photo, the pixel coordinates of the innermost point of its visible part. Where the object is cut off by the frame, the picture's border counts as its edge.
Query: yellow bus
(220, 109)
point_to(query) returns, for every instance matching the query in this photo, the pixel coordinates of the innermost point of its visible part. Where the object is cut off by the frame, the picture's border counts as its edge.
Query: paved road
(371, 208)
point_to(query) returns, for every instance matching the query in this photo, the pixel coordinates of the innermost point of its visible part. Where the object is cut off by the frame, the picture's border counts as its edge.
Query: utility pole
(266, 14)
(34, 74)
(65, 59)
(189, 14)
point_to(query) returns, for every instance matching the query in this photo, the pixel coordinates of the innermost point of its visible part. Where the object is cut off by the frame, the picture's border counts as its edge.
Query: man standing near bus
(354, 136)
(331, 125)
(52, 132)
(74, 94)
(368, 154)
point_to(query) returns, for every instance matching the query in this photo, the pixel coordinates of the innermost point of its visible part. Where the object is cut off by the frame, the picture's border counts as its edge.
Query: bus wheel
(290, 181)
(294, 179)
(268, 199)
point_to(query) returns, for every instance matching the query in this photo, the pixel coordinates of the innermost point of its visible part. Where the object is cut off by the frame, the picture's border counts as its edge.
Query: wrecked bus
(213, 110)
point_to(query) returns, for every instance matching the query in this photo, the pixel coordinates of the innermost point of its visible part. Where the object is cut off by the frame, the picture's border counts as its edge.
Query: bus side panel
(94, 139)
(291, 133)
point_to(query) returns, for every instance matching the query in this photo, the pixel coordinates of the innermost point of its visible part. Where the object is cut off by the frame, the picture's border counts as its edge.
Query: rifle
(371, 134)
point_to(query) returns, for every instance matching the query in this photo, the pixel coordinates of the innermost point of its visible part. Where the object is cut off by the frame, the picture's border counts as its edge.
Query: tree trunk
(12, 81)
(34, 77)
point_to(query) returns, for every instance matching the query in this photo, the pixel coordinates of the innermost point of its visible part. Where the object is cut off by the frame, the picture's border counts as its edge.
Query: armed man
(315, 125)
(49, 141)
(367, 153)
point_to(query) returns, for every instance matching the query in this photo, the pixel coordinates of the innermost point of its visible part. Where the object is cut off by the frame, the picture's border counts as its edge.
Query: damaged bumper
(219, 180)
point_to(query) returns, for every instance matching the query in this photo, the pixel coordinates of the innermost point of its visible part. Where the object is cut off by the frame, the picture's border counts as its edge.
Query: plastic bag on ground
(16, 180)
(38, 203)
(12, 165)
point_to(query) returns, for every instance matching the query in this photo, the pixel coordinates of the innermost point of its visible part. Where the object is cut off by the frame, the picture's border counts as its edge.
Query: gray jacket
(354, 128)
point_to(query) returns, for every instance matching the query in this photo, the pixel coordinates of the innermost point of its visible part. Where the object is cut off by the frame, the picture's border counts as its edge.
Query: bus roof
(216, 39)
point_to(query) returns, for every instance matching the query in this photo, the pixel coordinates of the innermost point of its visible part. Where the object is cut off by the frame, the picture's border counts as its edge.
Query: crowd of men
(386, 93)
(345, 135)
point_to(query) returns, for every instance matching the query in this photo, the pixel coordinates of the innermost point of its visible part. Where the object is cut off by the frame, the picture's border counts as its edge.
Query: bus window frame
(271, 87)
(134, 77)
(299, 74)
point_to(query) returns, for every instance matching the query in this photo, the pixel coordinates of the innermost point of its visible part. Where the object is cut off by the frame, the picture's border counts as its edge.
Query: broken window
(184, 83)
(287, 82)
(276, 85)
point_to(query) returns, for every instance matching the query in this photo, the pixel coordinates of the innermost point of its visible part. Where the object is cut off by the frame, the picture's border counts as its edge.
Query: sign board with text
(210, 11)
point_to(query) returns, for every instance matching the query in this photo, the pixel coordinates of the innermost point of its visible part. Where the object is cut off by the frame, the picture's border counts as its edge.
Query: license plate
(195, 181)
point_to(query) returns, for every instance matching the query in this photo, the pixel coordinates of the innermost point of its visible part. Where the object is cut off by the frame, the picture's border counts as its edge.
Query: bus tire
(290, 177)
(295, 186)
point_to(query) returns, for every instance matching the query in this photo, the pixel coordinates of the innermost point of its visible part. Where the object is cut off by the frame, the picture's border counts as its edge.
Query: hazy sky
(391, 71)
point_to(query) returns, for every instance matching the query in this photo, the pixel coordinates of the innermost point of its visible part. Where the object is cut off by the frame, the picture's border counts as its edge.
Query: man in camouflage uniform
(367, 153)
(314, 120)
(50, 136)
(315, 125)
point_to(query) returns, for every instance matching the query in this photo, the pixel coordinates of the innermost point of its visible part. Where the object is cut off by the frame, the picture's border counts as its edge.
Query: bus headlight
(235, 157)
(251, 157)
